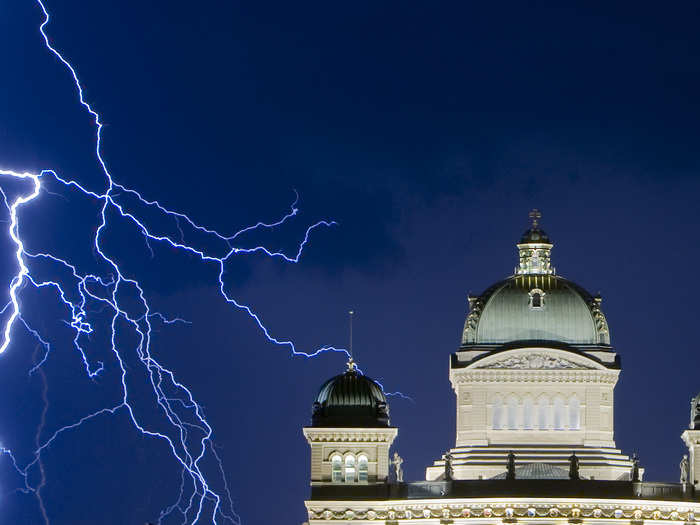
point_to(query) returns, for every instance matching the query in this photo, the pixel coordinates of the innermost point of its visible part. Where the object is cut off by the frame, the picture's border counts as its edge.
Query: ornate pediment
(536, 362)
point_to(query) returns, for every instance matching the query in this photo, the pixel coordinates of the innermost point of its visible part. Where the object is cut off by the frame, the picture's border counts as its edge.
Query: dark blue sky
(428, 132)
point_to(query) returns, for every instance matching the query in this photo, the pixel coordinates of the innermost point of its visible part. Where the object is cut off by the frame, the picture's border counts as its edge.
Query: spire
(535, 249)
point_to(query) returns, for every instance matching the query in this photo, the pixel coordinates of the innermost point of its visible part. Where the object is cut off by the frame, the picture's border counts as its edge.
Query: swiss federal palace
(534, 377)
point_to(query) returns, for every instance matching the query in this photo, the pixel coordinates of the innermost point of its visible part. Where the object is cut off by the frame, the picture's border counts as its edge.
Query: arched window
(559, 418)
(543, 413)
(349, 468)
(528, 413)
(574, 413)
(512, 413)
(497, 413)
(337, 469)
(536, 298)
(362, 468)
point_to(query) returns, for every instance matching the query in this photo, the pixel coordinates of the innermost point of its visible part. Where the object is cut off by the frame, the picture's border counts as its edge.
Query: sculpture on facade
(510, 473)
(397, 462)
(635, 467)
(685, 469)
(695, 413)
(448, 466)
(573, 467)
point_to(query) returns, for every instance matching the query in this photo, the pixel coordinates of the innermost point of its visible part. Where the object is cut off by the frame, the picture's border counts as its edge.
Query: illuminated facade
(534, 379)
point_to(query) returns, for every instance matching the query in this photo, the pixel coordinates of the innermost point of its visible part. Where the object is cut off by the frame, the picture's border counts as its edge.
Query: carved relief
(476, 306)
(536, 362)
(601, 324)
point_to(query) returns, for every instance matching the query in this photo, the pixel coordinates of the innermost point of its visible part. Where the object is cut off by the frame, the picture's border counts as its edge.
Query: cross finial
(535, 215)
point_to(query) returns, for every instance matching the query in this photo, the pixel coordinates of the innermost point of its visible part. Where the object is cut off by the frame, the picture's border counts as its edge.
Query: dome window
(337, 469)
(349, 469)
(362, 468)
(536, 301)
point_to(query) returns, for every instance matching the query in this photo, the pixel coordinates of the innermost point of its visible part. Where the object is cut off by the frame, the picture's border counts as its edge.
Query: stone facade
(534, 380)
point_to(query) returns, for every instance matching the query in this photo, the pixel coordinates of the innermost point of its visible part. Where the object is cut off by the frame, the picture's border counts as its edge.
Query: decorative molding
(476, 307)
(601, 324)
(496, 375)
(322, 435)
(535, 361)
(590, 509)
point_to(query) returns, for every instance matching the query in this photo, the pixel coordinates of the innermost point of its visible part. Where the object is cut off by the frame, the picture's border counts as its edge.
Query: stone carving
(695, 413)
(510, 466)
(635, 467)
(601, 324)
(476, 306)
(574, 467)
(448, 466)
(397, 462)
(536, 362)
(685, 469)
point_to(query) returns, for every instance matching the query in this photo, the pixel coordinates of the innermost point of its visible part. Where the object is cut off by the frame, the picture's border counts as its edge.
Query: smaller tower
(350, 433)
(691, 437)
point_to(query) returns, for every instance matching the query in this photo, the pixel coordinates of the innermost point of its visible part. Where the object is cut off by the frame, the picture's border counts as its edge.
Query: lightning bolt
(189, 437)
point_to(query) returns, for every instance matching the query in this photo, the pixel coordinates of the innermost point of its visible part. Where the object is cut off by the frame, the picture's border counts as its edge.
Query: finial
(535, 215)
(350, 314)
(352, 367)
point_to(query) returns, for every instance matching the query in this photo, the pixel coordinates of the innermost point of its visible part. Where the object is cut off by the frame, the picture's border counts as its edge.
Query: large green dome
(536, 308)
(535, 304)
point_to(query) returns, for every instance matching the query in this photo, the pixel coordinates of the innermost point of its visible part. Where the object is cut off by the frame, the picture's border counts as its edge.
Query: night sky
(427, 132)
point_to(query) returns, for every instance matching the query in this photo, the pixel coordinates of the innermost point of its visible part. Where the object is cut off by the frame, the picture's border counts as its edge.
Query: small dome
(535, 235)
(350, 400)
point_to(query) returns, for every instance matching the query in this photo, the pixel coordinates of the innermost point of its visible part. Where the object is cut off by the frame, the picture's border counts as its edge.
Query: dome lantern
(535, 250)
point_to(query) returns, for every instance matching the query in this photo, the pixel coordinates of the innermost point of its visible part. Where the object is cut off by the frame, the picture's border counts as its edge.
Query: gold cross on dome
(535, 215)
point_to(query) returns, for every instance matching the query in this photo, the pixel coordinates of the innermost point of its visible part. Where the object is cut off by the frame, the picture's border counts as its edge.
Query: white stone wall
(484, 392)
(371, 442)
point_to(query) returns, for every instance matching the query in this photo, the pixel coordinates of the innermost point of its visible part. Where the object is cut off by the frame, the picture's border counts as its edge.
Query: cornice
(472, 375)
(507, 510)
(378, 435)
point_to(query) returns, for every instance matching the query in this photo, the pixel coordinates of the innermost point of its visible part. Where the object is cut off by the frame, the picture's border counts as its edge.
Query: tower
(534, 379)
(535, 374)
(350, 432)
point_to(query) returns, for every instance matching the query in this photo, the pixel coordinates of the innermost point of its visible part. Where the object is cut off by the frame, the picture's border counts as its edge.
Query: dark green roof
(350, 400)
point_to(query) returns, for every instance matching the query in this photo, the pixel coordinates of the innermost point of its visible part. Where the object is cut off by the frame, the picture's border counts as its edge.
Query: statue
(685, 469)
(448, 466)
(635, 467)
(510, 474)
(695, 413)
(573, 467)
(397, 462)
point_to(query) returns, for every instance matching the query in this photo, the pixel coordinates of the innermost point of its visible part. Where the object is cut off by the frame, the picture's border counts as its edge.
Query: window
(362, 468)
(528, 414)
(512, 413)
(336, 469)
(497, 414)
(542, 412)
(558, 422)
(536, 298)
(574, 413)
(349, 469)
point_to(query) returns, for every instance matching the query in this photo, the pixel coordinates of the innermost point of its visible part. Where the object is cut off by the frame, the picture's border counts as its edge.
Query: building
(534, 378)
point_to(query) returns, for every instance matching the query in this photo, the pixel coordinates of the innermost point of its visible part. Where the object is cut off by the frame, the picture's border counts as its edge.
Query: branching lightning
(190, 436)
